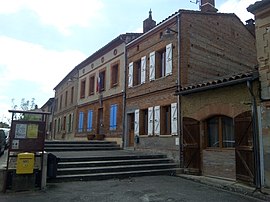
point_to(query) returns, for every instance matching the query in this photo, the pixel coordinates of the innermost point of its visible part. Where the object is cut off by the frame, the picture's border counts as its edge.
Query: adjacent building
(208, 59)
(65, 106)
(100, 91)
(261, 10)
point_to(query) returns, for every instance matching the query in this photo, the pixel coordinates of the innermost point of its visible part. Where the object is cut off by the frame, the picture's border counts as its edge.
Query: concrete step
(92, 148)
(117, 168)
(111, 158)
(112, 175)
(61, 146)
(111, 163)
(79, 142)
(79, 145)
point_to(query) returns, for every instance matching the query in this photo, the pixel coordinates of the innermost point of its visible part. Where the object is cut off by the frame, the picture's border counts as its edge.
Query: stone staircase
(78, 164)
(93, 145)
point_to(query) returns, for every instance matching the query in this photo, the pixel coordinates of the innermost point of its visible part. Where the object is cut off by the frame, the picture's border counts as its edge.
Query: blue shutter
(80, 128)
(113, 117)
(89, 120)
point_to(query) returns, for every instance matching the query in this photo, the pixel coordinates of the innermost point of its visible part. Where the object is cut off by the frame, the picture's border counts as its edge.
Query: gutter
(219, 85)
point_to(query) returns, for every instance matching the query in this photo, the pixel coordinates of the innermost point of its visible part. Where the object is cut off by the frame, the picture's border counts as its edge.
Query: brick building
(261, 10)
(100, 91)
(65, 106)
(212, 48)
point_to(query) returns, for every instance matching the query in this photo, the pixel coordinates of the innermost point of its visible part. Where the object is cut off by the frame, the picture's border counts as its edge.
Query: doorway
(100, 124)
(130, 120)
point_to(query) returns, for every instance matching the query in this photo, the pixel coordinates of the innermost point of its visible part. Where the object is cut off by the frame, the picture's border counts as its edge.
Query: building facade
(101, 87)
(49, 107)
(211, 47)
(65, 107)
(261, 10)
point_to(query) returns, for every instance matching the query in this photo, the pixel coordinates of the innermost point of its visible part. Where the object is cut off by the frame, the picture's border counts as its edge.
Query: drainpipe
(179, 114)
(256, 146)
(124, 96)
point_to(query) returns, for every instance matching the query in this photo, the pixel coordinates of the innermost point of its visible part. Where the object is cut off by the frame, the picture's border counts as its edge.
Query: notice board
(27, 136)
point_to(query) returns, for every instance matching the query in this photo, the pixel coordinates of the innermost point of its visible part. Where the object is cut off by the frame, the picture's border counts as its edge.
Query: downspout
(124, 96)
(256, 146)
(179, 117)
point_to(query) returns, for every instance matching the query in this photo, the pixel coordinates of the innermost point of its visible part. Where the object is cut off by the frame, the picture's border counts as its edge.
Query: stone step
(79, 145)
(112, 175)
(79, 142)
(92, 148)
(112, 162)
(121, 168)
(110, 158)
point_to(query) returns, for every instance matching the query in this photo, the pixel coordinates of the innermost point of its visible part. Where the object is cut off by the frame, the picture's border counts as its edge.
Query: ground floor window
(90, 120)
(113, 117)
(80, 123)
(220, 132)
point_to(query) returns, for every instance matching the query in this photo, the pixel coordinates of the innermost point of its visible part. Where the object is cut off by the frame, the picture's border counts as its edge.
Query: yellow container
(25, 163)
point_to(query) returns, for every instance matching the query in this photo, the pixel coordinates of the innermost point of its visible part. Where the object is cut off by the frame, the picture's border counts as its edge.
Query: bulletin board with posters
(27, 136)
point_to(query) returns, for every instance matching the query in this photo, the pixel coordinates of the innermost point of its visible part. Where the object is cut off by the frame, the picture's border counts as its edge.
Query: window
(82, 92)
(144, 122)
(64, 123)
(66, 98)
(160, 63)
(80, 126)
(137, 73)
(90, 120)
(113, 117)
(61, 100)
(114, 75)
(71, 95)
(59, 125)
(56, 104)
(91, 85)
(69, 123)
(220, 132)
(101, 81)
(165, 120)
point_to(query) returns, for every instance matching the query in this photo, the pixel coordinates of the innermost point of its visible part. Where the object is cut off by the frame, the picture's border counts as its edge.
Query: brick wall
(229, 101)
(213, 46)
(106, 105)
(220, 163)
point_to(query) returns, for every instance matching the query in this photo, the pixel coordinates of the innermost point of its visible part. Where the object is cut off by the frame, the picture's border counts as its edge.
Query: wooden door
(100, 124)
(244, 154)
(131, 118)
(191, 143)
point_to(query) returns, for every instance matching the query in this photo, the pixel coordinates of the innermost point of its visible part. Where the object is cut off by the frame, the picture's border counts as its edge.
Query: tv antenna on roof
(195, 2)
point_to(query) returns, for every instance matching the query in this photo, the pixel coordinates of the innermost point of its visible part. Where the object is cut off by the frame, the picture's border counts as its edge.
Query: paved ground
(140, 189)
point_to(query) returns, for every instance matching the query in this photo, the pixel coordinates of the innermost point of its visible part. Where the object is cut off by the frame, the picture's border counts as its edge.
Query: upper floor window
(220, 132)
(114, 74)
(137, 73)
(160, 63)
(71, 95)
(66, 98)
(61, 100)
(91, 85)
(82, 89)
(101, 81)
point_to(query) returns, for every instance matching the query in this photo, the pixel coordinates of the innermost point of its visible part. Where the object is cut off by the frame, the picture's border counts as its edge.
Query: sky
(41, 41)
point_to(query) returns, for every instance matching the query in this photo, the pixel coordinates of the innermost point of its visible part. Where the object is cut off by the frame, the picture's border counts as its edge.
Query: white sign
(177, 141)
(15, 144)
(20, 131)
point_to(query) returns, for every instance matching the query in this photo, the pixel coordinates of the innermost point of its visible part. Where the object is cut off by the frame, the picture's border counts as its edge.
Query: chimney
(250, 25)
(208, 6)
(148, 23)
